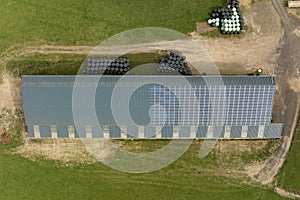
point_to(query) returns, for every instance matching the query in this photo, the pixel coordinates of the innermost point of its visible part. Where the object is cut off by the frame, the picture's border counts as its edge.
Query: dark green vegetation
(60, 64)
(289, 178)
(40, 64)
(144, 58)
(187, 178)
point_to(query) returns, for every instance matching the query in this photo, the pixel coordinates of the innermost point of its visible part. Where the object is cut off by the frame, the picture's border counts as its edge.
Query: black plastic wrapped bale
(229, 19)
(174, 62)
(107, 65)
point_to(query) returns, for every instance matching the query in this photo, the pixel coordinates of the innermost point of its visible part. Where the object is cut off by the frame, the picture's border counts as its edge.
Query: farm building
(159, 106)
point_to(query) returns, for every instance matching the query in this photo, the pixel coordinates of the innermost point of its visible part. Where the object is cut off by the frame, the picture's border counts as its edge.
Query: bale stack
(230, 19)
(107, 65)
(174, 62)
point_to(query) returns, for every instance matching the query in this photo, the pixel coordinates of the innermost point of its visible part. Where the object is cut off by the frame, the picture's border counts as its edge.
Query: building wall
(166, 132)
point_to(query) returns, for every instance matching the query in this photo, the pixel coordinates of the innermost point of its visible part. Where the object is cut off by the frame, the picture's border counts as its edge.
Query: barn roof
(87, 80)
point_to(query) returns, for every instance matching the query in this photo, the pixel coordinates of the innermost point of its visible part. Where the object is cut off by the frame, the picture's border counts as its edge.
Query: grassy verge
(289, 176)
(144, 58)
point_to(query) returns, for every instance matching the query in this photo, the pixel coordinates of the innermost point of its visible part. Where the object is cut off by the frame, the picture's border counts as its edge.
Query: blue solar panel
(214, 105)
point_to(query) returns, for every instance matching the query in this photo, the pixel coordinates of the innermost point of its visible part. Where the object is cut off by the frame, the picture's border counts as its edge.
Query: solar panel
(234, 105)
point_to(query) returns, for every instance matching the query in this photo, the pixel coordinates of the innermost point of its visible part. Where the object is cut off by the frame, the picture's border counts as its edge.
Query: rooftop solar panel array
(213, 105)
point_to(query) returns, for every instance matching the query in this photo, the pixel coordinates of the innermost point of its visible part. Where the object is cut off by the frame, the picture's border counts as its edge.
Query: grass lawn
(88, 22)
(289, 176)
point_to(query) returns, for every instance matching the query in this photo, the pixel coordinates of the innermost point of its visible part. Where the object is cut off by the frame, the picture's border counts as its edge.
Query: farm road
(287, 68)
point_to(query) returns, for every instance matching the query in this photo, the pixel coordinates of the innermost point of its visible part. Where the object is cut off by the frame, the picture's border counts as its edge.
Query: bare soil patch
(10, 92)
(66, 151)
(202, 27)
(248, 154)
(295, 84)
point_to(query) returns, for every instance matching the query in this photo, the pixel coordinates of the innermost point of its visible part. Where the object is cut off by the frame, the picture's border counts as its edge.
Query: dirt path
(10, 92)
(287, 104)
(284, 193)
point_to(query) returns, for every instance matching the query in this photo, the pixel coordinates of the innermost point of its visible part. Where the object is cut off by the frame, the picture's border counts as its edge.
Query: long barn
(157, 107)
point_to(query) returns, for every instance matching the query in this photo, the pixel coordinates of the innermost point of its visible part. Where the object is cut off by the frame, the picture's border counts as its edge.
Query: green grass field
(187, 178)
(289, 178)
